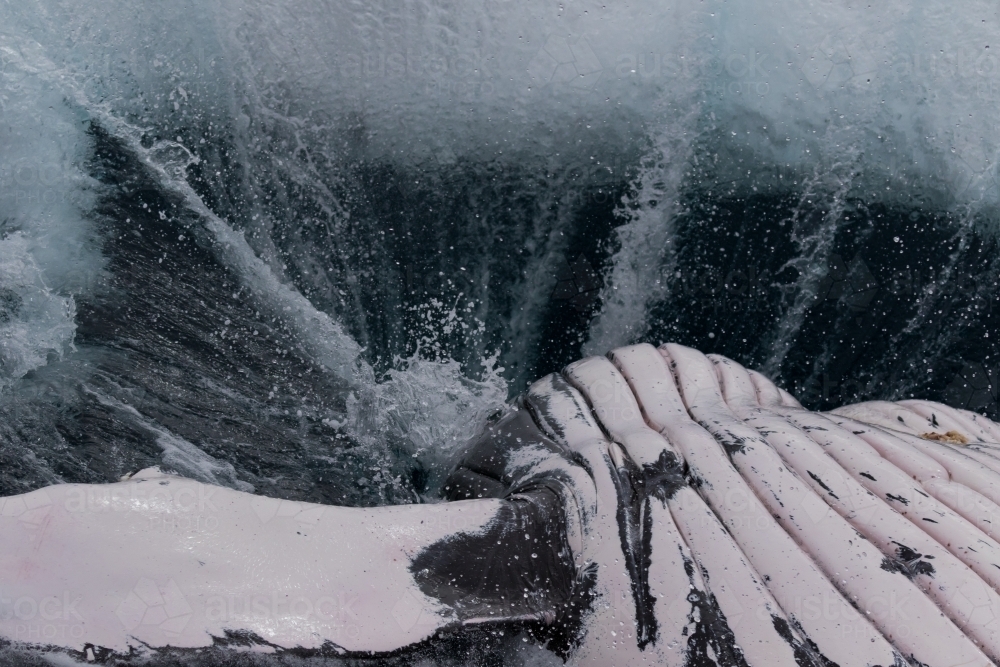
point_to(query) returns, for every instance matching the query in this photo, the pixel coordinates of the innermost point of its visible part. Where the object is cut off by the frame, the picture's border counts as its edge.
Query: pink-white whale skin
(704, 517)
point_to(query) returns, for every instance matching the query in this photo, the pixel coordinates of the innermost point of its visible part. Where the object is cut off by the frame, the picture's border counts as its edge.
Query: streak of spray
(814, 223)
(641, 267)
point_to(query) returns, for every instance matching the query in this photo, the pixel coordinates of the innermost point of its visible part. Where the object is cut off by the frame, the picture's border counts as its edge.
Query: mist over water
(306, 248)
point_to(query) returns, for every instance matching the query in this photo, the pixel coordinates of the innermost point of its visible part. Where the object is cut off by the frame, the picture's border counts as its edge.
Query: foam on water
(47, 253)
(34, 322)
(427, 410)
(913, 86)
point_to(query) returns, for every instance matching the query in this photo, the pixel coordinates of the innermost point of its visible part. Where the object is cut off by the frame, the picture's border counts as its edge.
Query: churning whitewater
(307, 250)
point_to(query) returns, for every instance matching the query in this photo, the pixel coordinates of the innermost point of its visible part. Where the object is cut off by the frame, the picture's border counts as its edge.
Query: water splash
(814, 224)
(35, 323)
(643, 265)
(426, 410)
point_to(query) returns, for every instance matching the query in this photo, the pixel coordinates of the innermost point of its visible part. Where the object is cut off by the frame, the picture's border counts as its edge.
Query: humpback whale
(656, 506)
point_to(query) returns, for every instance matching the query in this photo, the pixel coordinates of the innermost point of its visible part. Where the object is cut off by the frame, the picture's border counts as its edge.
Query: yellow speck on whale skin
(954, 437)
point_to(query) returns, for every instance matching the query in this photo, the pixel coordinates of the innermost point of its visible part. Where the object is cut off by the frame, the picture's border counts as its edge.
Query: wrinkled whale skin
(656, 506)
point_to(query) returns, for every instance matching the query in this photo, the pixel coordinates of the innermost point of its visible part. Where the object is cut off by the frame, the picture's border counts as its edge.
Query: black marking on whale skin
(489, 455)
(524, 549)
(568, 629)
(806, 654)
(908, 562)
(633, 508)
(633, 490)
(900, 661)
(486, 574)
(732, 444)
(711, 642)
(485, 644)
(822, 661)
(540, 405)
(644, 561)
(898, 499)
(695, 480)
(892, 565)
(665, 477)
(485, 467)
(908, 554)
(822, 483)
(868, 475)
